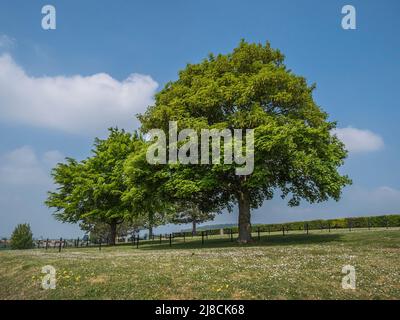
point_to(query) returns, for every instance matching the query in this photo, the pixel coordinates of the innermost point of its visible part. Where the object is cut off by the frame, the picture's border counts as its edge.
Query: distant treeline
(340, 223)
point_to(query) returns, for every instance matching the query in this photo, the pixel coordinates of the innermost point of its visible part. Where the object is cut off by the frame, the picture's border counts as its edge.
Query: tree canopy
(92, 190)
(295, 153)
(22, 237)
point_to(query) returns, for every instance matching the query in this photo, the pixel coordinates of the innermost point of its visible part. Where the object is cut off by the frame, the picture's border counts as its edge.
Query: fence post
(329, 227)
(59, 247)
(170, 239)
(65, 243)
(100, 245)
(231, 235)
(77, 242)
(350, 226)
(137, 242)
(202, 237)
(369, 225)
(87, 242)
(307, 227)
(283, 230)
(47, 243)
(258, 233)
(160, 238)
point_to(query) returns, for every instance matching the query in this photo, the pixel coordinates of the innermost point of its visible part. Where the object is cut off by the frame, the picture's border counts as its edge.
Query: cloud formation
(24, 182)
(74, 104)
(23, 167)
(359, 141)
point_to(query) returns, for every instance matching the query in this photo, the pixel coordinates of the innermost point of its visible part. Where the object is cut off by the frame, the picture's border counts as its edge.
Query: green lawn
(294, 266)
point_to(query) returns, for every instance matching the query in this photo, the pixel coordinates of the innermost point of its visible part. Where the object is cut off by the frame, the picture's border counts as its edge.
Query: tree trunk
(244, 218)
(194, 227)
(113, 232)
(150, 232)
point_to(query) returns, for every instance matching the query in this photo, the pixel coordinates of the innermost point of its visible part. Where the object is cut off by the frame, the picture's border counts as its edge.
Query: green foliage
(91, 191)
(296, 155)
(250, 88)
(21, 237)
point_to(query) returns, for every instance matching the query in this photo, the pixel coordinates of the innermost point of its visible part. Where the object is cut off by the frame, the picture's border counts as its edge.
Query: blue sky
(52, 102)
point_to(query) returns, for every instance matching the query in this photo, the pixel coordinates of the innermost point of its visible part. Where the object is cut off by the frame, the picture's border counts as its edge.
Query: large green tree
(295, 153)
(91, 191)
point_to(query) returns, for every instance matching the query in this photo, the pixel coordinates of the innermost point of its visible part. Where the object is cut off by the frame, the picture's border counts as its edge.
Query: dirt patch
(98, 279)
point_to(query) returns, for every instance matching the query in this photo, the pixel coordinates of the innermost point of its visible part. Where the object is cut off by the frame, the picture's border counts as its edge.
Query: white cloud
(75, 104)
(6, 42)
(357, 140)
(22, 167)
(24, 182)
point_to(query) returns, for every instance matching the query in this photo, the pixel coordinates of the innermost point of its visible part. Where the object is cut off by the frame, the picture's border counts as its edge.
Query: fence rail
(307, 227)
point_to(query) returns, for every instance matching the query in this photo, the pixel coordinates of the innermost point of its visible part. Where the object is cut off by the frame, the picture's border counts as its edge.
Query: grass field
(294, 266)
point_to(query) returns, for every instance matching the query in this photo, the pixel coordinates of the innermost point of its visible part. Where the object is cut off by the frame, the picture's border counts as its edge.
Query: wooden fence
(202, 236)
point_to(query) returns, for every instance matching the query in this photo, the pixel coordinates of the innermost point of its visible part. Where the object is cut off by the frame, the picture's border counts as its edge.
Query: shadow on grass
(265, 241)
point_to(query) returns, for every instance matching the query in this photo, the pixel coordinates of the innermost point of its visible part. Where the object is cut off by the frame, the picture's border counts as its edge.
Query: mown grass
(294, 266)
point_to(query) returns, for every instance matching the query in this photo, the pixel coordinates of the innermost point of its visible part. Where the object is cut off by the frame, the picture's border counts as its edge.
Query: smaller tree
(90, 191)
(152, 220)
(99, 230)
(191, 213)
(22, 237)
